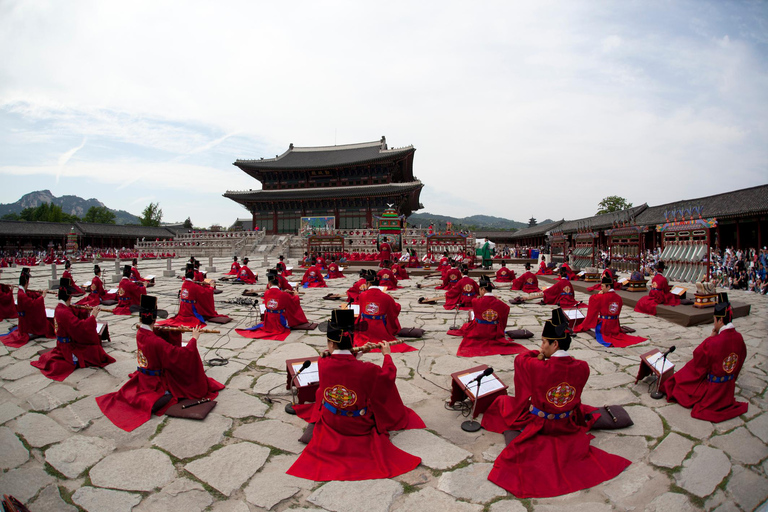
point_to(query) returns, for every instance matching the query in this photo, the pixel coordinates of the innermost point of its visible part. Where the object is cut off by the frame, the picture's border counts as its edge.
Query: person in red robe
(607, 271)
(385, 251)
(165, 374)
(282, 311)
(485, 335)
(136, 276)
(707, 383)
(30, 308)
(246, 276)
(469, 259)
(234, 268)
(350, 438)
(378, 320)
(527, 282)
(354, 291)
(543, 269)
(97, 294)
(196, 305)
(504, 275)
(7, 304)
(413, 260)
(334, 272)
(128, 294)
(400, 272)
(387, 278)
(282, 269)
(67, 274)
(659, 294)
(451, 276)
(78, 344)
(552, 456)
(603, 315)
(561, 293)
(461, 294)
(313, 277)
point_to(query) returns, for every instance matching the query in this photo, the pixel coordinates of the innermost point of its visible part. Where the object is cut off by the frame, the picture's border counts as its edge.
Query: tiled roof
(324, 192)
(600, 222)
(58, 230)
(538, 230)
(747, 201)
(326, 156)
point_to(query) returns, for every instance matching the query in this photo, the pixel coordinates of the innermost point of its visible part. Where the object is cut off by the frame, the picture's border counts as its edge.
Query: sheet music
(573, 314)
(86, 284)
(677, 290)
(99, 327)
(656, 361)
(262, 308)
(294, 284)
(489, 384)
(113, 290)
(149, 278)
(49, 312)
(581, 273)
(382, 288)
(624, 281)
(355, 308)
(309, 376)
(288, 268)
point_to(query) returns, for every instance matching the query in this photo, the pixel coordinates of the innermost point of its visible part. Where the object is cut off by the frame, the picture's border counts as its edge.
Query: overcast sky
(516, 109)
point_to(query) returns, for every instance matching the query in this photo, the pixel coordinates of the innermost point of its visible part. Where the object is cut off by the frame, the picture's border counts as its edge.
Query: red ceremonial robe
(195, 306)
(543, 269)
(603, 316)
(284, 284)
(561, 293)
(707, 383)
(128, 294)
(246, 276)
(461, 294)
(334, 272)
(313, 278)
(385, 252)
(610, 272)
(413, 262)
(659, 294)
(75, 290)
(350, 440)
(504, 275)
(486, 336)
(282, 269)
(7, 305)
(283, 310)
(380, 312)
(451, 276)
(30, 307)
(354, 291)
(400, 272)
(527, 282)
(552, 457)
(162, 368)
(234, 269)
(97, 294)
(77, 345)
(387, 279)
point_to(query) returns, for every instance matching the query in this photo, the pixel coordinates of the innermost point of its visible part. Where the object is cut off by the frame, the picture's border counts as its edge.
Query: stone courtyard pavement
(59, 453)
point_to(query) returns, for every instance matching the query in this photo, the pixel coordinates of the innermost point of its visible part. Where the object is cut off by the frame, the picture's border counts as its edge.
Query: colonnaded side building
(352, 183)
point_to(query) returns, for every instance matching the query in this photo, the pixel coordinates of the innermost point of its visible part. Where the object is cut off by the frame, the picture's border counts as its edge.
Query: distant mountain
(475, 222)
(73, 205)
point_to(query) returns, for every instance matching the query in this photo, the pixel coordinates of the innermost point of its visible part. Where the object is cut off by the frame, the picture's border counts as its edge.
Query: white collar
(340, 351)
(145, 326)
(610, 290)
(729, 325)
(489, 293)
(63, 302)
(22, 289)
(188, 279)
(125, 277)
(561, 353)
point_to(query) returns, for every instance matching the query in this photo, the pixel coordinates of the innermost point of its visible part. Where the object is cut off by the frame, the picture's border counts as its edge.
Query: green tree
(11, 216)
(100, 215)
(152, 215)
(612, 204)
(188, 223)
(46, 212)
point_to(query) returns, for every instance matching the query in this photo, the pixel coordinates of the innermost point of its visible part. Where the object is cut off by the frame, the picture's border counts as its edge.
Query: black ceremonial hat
(25, 270)
(723, 305)
(559, 317)
(660, 266)
(527, 266)
(148, 304)
(555, 332)
(65, 282)
(126, 268)
(341, 326)
(606, 279)
(96, 269)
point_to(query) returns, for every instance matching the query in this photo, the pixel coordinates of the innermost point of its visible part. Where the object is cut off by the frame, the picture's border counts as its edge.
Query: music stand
(460, 392)
(303, 393)
(652, 363)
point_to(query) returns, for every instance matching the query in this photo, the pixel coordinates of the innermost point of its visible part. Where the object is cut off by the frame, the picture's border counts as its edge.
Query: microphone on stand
(657, 395)
(289, 407)
(454, 326)
(471, 425)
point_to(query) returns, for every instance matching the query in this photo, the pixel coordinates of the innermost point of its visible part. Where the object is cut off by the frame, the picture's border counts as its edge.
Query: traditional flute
(363, 349)
(171, 328)
(83, 306)
(33, 291)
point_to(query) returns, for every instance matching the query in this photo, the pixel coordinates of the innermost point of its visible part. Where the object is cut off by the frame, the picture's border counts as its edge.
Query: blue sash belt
(487, 322)
(608, 317)
(373, 317)
(549, 416)
(718, 380)
(63, 339)
(276, 311)
(123, 298)
(22, 313)
(348, 414)
(151, 373)
(468, 294)
(188, 301)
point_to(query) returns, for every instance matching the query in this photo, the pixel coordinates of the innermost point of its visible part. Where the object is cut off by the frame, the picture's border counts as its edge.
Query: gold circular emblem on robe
(729, 363)
(561, 395)
(340, 396)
